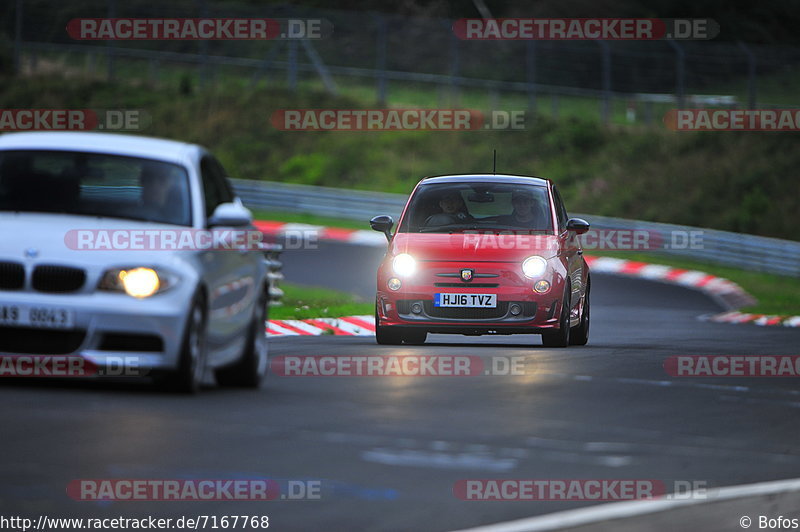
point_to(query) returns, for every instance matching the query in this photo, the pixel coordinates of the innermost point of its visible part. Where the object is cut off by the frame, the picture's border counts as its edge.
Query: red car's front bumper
(519, 308)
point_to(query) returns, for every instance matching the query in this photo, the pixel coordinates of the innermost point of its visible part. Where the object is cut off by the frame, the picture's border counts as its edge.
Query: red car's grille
(466, 313)
(466, 285)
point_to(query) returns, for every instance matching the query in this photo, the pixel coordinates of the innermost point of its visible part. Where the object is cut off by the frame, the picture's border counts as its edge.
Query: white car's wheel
(251, 368)
(192, 360)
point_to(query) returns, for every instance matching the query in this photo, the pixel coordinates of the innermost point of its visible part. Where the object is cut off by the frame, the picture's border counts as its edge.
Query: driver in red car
(527, 211)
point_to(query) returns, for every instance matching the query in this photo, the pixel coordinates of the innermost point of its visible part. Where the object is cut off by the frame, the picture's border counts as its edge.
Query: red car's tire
(560, 338)
(386, 335)
(580, 334)
(415, 336)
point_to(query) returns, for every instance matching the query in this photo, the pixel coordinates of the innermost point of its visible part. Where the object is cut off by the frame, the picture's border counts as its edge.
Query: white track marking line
(275, 326)
(438, 460)
(691, 278)
(654, 271)
(367, 238)
(303, 326)
(621, 510)
(351, 328)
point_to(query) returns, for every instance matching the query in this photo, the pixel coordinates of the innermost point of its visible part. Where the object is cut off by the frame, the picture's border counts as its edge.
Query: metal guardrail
(738, 250)
(748, 252)
(322, 201)
(272, 253)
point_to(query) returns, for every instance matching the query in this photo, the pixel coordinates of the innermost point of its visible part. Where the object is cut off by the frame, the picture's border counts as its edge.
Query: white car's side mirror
(230, 215)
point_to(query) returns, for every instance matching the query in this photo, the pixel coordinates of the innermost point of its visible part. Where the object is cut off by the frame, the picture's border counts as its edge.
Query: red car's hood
(470, 246)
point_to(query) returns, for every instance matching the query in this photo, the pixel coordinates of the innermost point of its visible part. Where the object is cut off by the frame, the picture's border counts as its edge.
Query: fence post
(494, 99)
(291, 71)
(530, 69)
(90, 62)
(554, 104)
(203, 77)
(18, 38)
(605, 108)
(112, 13)
(380, 61)
(320, 67)
(680, 73)
(152, 71)
(266, 63)
(454, 69)
(751, 75)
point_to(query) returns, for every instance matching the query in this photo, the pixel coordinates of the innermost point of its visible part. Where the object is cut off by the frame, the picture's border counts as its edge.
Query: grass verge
(303, 218)
(304, 302)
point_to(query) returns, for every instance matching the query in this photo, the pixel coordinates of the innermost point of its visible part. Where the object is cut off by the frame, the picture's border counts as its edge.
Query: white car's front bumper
(108, 328)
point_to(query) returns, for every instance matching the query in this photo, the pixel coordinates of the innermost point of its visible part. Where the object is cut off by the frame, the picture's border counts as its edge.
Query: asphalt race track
(388, 451)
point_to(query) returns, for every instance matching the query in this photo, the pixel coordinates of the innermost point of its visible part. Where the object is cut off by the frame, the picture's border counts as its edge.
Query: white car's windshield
(94, 185)
(467, 206)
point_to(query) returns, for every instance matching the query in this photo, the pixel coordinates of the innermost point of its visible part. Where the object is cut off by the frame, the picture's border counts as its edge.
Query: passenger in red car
(454, 211)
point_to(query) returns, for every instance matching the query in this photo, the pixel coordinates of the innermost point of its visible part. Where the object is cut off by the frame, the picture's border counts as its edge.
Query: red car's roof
(486, 178)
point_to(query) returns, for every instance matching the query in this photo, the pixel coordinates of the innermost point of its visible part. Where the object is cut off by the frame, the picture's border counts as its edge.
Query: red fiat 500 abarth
(483, 254)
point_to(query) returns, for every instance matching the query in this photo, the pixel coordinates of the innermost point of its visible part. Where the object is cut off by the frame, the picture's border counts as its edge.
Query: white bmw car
(116, 247)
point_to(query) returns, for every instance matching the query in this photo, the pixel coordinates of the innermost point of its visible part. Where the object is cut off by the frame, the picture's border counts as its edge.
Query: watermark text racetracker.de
(73, 119)
(594, 239)
(58, 366)
(183, 239)
(580, 29)
(194, 29)
(396, 120)
(206, 489)
(733, 365)
(733, 119)
(397, 366)
(308, 238)
(606, 489)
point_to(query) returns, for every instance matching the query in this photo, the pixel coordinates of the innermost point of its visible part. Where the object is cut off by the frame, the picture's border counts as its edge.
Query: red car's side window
(561, 211)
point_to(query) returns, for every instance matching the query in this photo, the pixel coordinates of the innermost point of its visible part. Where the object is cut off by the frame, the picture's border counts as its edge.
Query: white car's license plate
(465, 300)
(37, 317)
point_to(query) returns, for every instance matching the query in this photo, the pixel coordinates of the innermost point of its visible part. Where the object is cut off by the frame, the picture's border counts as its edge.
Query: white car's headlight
(534, 266)
(404, 265)
(138, 282)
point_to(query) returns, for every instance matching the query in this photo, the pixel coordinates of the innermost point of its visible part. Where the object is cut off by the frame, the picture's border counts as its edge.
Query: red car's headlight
(534, 266)
(404, 265)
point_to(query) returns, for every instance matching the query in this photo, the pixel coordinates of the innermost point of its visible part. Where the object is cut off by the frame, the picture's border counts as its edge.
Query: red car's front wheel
(397, 335)
(385, 335)
(560, 338)
(580, 334)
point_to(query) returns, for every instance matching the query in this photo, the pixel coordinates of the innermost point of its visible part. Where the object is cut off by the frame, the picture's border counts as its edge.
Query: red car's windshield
(448, 208)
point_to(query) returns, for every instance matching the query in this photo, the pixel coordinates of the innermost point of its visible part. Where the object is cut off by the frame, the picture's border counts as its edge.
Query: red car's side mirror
(578, 225)
(383, 224)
